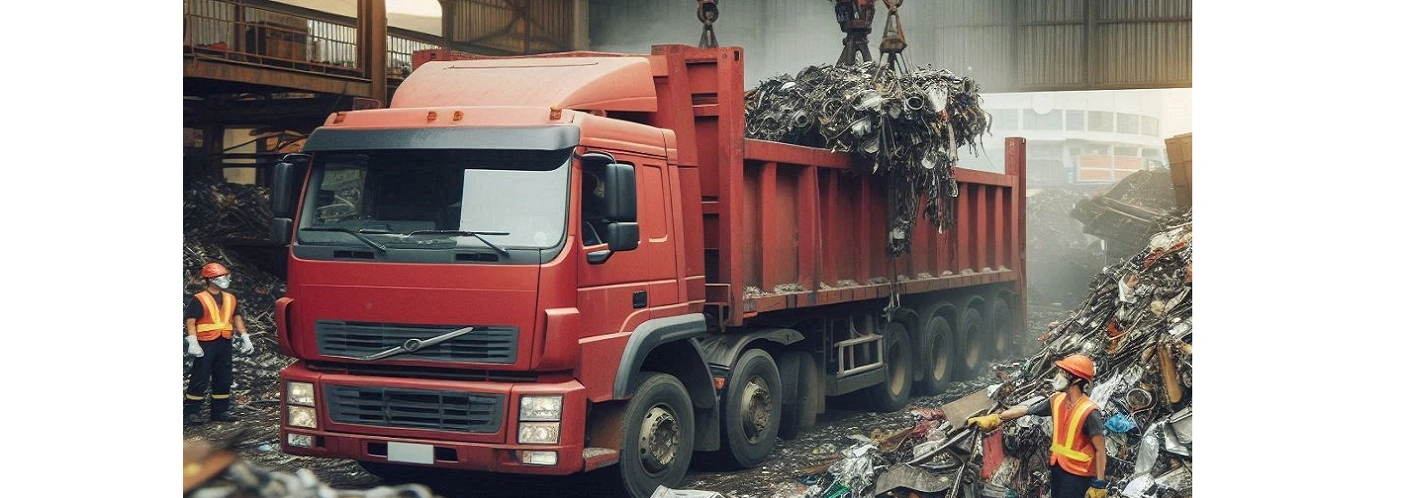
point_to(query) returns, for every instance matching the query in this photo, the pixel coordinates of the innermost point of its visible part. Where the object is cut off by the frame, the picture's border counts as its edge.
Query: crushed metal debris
(214, 470)
(907, 126)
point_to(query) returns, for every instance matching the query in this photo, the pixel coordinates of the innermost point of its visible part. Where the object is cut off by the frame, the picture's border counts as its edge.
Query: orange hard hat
(213, 270)
(1079, 365)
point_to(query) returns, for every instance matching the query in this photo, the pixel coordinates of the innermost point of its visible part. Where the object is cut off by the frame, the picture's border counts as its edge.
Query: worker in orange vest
(1078, 456)
(213, 328)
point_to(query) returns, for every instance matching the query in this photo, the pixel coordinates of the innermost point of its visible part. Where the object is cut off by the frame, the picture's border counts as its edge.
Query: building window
(1053, 120)
(1096, 150)
(1126, 151)
(1127, 123)
(1045, 151)
(1075, 120)
(1005, 119)
(1099, 121)
(1151, 126)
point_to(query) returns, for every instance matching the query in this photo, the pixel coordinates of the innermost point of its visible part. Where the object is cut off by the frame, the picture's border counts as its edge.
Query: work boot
(194, 419)
(220, 410)
(192, 411)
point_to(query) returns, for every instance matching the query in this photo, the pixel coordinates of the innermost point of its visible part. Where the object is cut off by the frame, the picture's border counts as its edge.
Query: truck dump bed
(789, 226)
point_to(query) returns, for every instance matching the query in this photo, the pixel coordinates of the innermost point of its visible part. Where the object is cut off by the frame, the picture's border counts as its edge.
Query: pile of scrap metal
(216, 210)
(1131, 211)
(1062, 259)
(1136, 326)
(907, 126)
(937, 456)
(213, 212)
(216, 471)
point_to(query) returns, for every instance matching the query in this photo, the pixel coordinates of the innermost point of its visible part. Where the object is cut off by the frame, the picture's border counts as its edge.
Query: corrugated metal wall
(1005, 45)
(518, 26)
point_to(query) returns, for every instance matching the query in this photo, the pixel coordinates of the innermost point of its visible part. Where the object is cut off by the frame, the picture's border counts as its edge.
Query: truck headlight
(538, 433)
(303, 416)
(299, 393)
(540, 408)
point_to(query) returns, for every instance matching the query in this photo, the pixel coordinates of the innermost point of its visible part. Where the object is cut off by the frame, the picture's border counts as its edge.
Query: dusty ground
(778, 477)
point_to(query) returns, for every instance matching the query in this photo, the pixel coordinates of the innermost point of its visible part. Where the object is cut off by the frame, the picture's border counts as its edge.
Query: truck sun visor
(532, 138)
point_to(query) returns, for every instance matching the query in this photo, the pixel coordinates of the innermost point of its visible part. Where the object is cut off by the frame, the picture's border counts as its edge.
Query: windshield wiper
(466, 233)
(413, 345)
(356, 233)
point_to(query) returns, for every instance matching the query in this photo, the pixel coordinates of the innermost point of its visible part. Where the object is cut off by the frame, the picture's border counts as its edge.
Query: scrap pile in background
(1131, 211)
(907, 127)
(1136, 326)
(1062, 259)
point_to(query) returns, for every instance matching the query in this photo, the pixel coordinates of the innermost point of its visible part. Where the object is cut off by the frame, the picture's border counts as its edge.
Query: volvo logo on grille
(412, 345)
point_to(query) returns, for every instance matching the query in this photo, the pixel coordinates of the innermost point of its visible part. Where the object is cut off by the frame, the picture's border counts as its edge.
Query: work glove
(1098, 489)
(193, 347)
(986, 422)
(243, 344)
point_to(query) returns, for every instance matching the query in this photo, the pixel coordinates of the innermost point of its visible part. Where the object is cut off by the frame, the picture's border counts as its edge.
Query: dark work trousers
(211, 371)
(1067, 485)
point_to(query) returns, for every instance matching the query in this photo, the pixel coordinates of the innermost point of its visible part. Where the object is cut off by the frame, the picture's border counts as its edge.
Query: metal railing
(288, 37)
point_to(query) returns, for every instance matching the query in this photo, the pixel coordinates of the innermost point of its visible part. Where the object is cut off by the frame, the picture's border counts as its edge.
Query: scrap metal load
(908, 127)
(1136, 326)
(225, 210)
(1131, 211)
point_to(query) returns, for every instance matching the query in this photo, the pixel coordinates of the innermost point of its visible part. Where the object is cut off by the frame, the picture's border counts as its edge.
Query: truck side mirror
(620, 192)
(283, 196)
(622, 236)
(281, 230)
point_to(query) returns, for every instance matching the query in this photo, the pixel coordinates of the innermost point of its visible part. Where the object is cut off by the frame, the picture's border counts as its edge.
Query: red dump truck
(559, 263)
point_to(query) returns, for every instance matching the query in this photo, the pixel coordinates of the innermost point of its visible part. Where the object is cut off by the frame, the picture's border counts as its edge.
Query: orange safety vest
(1072, 449)
(216, 321)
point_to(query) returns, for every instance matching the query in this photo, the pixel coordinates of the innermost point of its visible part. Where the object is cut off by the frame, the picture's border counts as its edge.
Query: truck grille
(415, 408)
(356, 340)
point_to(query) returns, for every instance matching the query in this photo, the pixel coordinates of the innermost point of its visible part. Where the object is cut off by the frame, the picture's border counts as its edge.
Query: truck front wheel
(658, 436)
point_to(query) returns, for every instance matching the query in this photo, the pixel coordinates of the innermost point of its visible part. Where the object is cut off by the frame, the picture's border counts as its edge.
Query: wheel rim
(660, 437)
(896, 375)
(754, 409)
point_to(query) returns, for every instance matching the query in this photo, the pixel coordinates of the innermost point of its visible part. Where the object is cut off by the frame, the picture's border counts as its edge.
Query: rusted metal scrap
(1136, 325)
(907, 126)
(213, 470)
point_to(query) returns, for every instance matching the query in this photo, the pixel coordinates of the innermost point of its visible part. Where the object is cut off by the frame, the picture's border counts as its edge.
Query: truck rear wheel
(802, 413)
(753, 407)
(1006, 343)
(658, 436)
(940, 355)
(893, 393)
(974, 333)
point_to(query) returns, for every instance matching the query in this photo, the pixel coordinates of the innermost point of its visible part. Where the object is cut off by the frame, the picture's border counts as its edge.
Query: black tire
(975, 343)
(894, 392)
(938, 369)
(802, 414)
(660, 411)
(1006, 339)
(752, 410)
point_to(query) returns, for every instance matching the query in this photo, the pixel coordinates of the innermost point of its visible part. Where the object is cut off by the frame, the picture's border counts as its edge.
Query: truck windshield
(450, 198)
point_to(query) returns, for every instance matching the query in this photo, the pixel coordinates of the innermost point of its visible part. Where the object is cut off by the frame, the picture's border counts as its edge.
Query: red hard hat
(1079, 365)
(213, 270)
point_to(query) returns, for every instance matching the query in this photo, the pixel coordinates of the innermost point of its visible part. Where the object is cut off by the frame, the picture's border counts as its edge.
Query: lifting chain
(707, 12)
(893, 40)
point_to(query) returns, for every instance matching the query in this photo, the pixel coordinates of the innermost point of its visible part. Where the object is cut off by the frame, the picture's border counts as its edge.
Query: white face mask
(222, 281)
(1060, 382)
